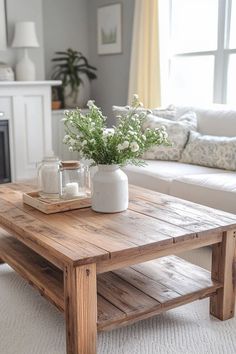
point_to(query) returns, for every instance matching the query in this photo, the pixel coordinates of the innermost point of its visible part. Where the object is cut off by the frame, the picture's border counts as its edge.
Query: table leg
(81, 309)
(223, 269)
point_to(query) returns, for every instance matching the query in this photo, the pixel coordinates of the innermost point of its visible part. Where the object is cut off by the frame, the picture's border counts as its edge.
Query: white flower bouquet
(123, 144)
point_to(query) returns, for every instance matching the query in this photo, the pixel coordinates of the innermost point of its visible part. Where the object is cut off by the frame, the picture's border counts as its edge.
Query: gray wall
(111, 87)
(73, 23)
(25, 10)
(60, 24)
(65, 26)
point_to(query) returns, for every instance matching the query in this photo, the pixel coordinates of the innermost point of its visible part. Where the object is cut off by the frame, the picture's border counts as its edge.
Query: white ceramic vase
(110, 190)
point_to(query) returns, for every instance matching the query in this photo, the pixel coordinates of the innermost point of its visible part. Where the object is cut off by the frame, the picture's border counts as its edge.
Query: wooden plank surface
(47, 235)
(123, 296)
(114, 289)
(35, 269)
(152, 222)
(193, 222)
(110, 229)
(174, 203)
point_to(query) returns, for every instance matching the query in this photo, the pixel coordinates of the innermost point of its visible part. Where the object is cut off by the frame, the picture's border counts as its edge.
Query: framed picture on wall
(3, 32)
(109, 29)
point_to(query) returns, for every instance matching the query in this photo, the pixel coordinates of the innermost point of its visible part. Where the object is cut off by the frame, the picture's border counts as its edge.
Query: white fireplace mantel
(27, 107)
(29, 83)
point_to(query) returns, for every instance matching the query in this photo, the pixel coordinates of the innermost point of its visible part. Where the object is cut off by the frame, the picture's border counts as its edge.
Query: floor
(30, 325)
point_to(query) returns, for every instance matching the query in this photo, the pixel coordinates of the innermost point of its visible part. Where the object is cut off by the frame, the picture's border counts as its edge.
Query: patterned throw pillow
(210, 151)
(178, 133)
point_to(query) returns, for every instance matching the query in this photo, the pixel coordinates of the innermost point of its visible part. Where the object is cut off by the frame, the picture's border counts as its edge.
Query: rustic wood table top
(90, 265)
(83, 236)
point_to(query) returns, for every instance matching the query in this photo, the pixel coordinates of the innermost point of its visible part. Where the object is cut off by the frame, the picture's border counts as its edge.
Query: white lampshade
(25, 35)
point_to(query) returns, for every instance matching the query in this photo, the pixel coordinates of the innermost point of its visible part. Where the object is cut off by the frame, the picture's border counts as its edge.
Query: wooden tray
(50, 206)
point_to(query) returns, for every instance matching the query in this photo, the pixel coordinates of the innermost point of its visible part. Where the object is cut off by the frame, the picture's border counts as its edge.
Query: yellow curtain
(145, 59)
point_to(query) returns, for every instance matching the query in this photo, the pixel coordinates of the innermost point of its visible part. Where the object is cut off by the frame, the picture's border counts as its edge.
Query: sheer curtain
(145, 60)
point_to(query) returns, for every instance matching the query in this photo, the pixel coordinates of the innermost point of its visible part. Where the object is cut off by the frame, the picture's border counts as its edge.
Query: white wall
(65, 26)
(25, 10)
(111, 87)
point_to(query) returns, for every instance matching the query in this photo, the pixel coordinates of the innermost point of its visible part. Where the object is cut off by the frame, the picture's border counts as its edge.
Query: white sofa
(208, 186)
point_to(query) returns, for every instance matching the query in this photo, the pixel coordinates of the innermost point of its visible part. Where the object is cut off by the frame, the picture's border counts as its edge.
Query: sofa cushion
(178, 133)
(166, 112)
(217, 190)
(141, 177)
(158, 175)
(217, 119)
(210, 151)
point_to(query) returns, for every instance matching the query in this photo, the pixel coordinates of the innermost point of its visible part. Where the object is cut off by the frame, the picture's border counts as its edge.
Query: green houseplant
(73, 69)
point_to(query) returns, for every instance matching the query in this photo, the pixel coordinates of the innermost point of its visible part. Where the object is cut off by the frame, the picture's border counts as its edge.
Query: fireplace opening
(5, 171)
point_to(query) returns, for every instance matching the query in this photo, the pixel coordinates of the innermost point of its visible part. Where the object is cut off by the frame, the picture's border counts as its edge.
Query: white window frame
(221, 54)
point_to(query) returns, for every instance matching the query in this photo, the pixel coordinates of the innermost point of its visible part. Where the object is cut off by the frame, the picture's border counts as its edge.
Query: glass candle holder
(48, 177)
(72, 180)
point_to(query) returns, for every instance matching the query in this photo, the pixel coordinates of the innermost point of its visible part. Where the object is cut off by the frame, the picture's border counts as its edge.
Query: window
(198, 51)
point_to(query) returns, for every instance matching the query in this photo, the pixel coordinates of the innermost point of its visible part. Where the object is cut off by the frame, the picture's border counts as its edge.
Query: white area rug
(30, 325)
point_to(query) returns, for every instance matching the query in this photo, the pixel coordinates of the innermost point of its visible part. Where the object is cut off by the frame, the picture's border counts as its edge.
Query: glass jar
(89, 173)
(48, 177)
(88, 180)
(72, 180)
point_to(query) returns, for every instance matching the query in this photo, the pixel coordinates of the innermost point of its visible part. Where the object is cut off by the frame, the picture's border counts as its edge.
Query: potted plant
(73, 69)
(56, 97)
(111, 149)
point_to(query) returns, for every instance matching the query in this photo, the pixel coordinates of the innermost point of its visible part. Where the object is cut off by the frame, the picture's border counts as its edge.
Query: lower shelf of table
(125, 295)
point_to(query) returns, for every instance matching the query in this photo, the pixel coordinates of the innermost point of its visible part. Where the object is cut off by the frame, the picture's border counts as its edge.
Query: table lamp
(25, 37)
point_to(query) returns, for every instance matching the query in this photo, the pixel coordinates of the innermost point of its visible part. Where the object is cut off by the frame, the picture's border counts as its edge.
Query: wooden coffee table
(91, 266)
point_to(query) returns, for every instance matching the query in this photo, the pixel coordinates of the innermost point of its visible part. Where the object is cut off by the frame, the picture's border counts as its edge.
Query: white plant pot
(80, 97)
(110, 190)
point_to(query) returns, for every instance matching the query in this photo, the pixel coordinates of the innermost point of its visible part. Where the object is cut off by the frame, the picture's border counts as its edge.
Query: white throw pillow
(210, 151)
(166, 112)
(178, 133)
